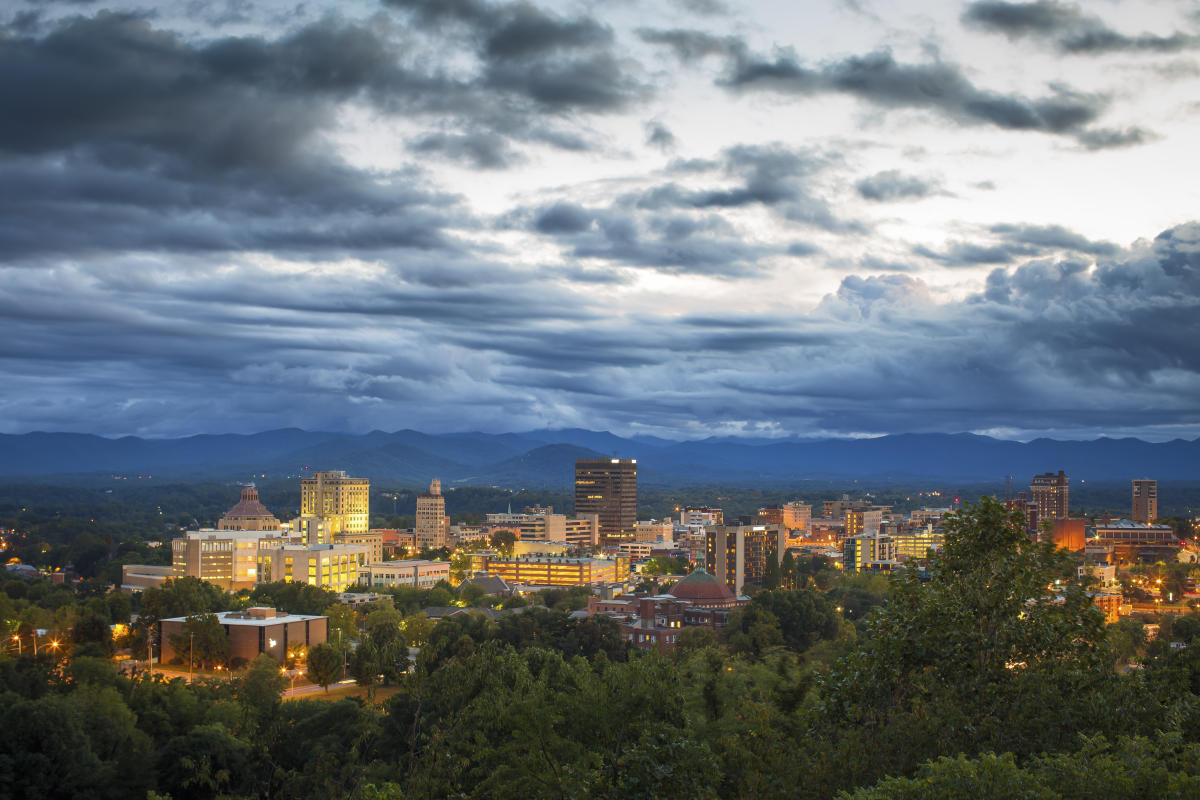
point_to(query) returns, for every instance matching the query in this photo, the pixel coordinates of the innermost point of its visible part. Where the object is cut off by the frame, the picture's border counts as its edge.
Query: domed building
(248, 515)
(654, 621)
(703, 590)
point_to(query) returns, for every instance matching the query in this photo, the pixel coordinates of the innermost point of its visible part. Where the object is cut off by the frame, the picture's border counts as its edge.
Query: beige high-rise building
(345, 503)
(1145, 500)
(433, 527)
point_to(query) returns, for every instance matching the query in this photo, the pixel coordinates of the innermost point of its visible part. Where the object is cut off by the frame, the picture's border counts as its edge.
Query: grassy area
(382, 693)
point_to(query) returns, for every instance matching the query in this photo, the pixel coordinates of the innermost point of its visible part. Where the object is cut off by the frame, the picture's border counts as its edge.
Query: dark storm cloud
(689, 45)
(1013, 242)
(485, 150)
(659, 136)
(679, 229)
(937, 86)
(707, 8)
(131, 137)
(773, 176)
(563, 218)
(1066, 342)
(1041, 237)
(672, 243)
(894, 185)
(559, 63)
(1109, 138)
(1067, 28)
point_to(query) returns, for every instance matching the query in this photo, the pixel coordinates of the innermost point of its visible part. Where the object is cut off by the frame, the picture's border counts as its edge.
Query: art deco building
(607, 487)
(1145, 501)
(343, 502)
(433, 527)
(1051, 493)
(248, 515)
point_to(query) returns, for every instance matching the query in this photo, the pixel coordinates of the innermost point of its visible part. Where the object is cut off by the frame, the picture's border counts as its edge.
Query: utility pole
(191, 641)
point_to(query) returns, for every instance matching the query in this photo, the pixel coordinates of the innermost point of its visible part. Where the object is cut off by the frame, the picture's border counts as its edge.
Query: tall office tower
(738, 554)
(433, 528)
(248, 515)
(1145, 501)
(344, 503)
(1051, 493)
(607, 487)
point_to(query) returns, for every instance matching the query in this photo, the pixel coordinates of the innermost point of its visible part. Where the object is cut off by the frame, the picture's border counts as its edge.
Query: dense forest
(989, 674)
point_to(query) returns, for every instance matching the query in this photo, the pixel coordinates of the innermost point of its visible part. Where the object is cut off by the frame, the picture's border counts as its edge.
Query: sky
(679, 218)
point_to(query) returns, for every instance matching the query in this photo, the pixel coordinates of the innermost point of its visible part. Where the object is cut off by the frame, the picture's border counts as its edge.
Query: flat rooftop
(236, 618)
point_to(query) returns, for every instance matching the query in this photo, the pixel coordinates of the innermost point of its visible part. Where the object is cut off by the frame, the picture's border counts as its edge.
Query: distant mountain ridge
(546, 457)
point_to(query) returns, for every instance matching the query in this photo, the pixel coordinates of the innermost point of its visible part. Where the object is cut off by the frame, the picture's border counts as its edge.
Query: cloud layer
(506, 215)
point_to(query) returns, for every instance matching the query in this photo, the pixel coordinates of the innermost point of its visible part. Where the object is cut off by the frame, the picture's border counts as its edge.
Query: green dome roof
(700, 585)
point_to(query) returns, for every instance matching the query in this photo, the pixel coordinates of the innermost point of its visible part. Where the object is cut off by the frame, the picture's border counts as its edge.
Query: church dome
(701, 587)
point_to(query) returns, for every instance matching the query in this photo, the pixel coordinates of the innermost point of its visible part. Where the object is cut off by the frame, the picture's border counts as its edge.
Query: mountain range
(545, 458)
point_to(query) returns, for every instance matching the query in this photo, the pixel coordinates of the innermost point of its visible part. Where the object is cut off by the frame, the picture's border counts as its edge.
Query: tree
(324, 665)
(502, 541)
(416, 630)
(204, 763)
(663, 565)
(997, 651)
(258, 690)
(203, 639)
(343, 623)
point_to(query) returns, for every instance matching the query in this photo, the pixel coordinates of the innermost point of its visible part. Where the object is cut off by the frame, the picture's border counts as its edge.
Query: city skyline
(675, 219)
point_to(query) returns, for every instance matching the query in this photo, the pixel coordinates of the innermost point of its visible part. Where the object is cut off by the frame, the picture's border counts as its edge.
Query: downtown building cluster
(604, 546)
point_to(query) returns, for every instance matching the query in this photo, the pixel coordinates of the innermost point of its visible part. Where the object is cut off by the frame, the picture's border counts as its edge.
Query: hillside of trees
(992, 677)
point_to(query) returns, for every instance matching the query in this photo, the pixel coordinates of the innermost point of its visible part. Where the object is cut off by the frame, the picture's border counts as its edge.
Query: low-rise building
(332, 566)
(228, 559)
(135, 577)
(701, 517)
(915, 544)
(655, 621)
(252, 632)
(1124, 531)
(372, 540)
(868, 551)
(420, 573)
(558, 571)
(653, 531)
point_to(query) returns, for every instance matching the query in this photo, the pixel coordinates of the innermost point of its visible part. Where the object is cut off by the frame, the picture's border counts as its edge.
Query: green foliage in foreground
(993, 680)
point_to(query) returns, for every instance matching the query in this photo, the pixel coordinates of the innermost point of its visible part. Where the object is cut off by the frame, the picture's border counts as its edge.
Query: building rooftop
(248, 618)
(249, 506)
(1125, 523)
(700, 585)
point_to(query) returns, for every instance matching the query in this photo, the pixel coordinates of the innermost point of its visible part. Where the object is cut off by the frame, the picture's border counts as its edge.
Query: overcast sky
(680, 218)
